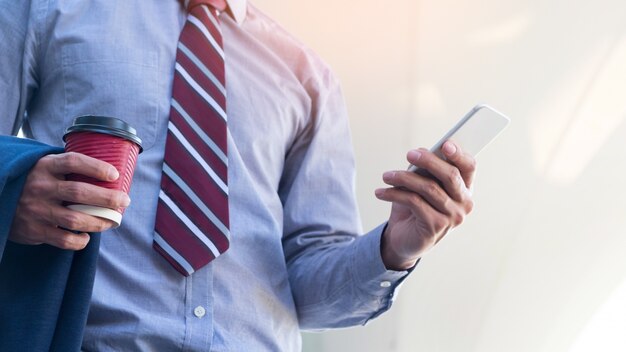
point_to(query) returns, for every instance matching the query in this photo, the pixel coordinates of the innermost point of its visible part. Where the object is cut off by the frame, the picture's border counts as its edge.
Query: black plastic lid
(103, 124)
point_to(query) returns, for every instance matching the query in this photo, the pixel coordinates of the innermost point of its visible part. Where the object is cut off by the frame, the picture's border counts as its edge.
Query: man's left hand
(425, 209)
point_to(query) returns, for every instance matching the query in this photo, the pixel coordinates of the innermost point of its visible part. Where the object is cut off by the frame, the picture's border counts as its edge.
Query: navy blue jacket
(44, 291)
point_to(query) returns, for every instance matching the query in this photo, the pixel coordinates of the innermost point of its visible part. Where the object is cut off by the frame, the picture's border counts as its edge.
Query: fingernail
(125, 201)
(113, 174)
(379, 192)
(415, 155)
(449, 148)
(388, 175)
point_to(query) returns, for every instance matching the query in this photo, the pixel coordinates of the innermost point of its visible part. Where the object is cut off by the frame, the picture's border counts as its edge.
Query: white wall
(543, 250)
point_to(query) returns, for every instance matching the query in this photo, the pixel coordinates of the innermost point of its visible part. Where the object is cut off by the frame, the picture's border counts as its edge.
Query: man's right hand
(40, 215)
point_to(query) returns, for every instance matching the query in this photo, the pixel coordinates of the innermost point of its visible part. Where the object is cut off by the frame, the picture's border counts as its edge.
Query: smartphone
(473, 132)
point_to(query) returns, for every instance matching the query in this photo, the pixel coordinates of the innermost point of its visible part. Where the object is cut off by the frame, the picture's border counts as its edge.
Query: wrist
(393, 259)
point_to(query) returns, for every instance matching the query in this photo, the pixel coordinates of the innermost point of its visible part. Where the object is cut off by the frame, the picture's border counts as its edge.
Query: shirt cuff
(370, 273)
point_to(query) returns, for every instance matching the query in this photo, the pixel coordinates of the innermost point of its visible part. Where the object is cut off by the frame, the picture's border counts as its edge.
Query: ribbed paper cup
(108, 139)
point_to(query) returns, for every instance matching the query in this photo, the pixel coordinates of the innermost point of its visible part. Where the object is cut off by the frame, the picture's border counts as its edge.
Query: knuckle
(415, 200)
(46, 161)
(454, 176)
(431, 187)
(469, 205)
(72, 190)
(36, 186)
(446, 202)
(426, 160)
(399, 177)
(71, 159)
(57, 162)
(29, 210)
(64, 242)
(47, 213)
(69, 241)
(107, 197)
(79, 241)
(458, 218)
(114, 199)
(38, 182)
(51, 236)
(71, 220)
(471, 164)
(102, 225)
(439, 224)
(395, 178)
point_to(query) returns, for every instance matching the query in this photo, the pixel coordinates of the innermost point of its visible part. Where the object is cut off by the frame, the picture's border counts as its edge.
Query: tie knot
(216, 4)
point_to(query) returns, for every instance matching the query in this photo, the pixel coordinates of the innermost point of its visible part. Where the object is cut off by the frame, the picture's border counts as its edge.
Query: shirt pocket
(112, 81)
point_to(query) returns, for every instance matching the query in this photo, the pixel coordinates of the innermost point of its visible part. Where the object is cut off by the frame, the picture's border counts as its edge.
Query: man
(296, 260)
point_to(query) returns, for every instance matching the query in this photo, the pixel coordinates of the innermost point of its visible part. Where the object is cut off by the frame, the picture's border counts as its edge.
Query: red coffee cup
(108, 139)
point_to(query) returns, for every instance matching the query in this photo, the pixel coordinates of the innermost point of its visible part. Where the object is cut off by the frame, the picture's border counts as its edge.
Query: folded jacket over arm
(44, 291)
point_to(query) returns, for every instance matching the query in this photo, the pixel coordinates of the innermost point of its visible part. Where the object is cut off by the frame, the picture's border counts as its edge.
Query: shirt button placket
(199, 310)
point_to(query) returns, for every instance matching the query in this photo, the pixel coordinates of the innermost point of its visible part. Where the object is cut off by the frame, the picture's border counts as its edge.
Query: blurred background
(540, 264)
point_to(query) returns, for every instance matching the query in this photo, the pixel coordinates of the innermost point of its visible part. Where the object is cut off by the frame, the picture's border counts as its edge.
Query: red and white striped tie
(192, 226)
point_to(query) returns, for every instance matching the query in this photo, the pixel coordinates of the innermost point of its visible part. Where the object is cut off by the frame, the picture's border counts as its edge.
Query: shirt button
(385, 284)
(199, 311)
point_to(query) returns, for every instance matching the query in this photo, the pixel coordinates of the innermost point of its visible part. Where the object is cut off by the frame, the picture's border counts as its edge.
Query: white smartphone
(473, 132)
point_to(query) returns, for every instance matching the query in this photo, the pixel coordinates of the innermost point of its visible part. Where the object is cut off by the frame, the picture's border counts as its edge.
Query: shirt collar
(237, 9)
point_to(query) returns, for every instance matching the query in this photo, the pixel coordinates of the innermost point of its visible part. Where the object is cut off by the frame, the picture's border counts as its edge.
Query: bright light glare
(600, 113)
(570, 132)
(605, 331)
(502, 32)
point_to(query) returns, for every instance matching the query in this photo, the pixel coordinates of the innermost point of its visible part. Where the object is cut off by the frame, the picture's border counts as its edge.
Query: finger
(66, 240)
(426, 187)
(59, 216)
(434, 220)
(463, 161)
(85, 193)
(448, 175)
(76, 163)
(55, 237)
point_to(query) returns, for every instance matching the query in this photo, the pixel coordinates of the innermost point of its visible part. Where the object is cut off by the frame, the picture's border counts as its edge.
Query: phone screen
(474, 131)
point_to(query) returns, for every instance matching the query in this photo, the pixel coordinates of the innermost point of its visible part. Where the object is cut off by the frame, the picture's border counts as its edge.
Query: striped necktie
(192, 226)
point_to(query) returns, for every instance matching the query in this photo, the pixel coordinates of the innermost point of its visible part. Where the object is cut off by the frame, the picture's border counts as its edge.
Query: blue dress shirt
(298, 258)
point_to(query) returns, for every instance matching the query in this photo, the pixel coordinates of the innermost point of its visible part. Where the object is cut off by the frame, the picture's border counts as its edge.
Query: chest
(108, 58)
